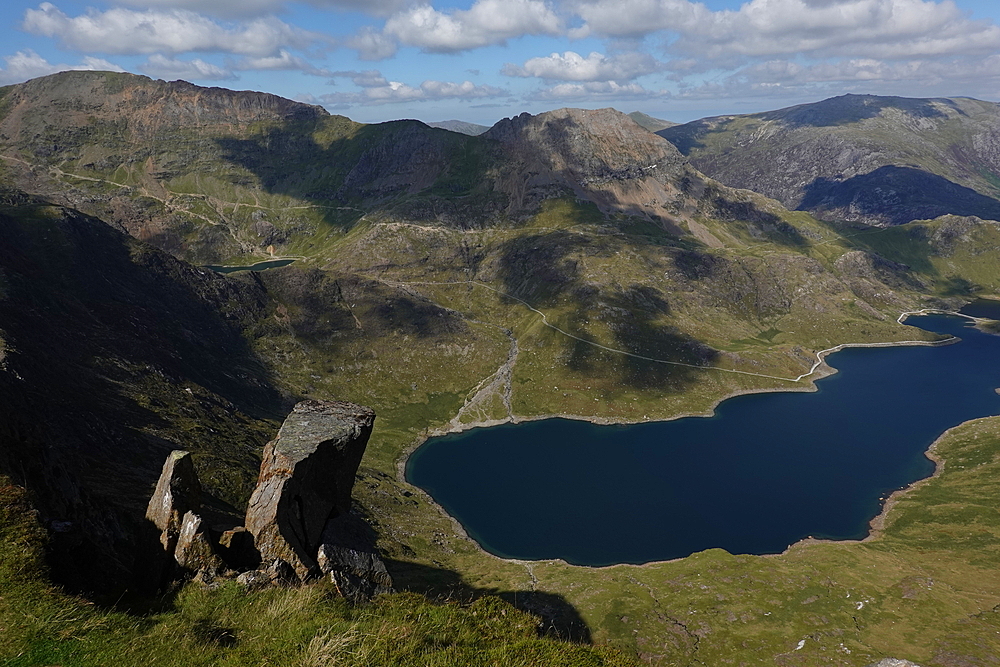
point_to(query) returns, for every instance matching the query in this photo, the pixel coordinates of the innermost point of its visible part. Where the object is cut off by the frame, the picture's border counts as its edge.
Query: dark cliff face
(114, 353)
(861, 158)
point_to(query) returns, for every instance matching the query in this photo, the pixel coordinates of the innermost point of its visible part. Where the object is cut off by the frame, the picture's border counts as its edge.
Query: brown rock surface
(348, 555)
(194, 550)
(306, 478)
(178, 492)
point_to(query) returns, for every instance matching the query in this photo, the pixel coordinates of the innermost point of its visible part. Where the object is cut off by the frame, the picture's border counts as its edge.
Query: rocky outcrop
(178, 492)
(298, 523)
(348, 556)
(175, 509)
(194, 551)
(305, 479)
(602, 156)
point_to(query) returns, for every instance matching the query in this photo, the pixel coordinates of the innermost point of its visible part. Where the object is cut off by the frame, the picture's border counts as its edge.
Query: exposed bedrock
(298, 524)
(178, 492)
(306, 478)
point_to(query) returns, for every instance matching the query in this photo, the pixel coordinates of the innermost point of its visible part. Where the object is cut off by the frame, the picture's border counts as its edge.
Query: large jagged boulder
(306, 478)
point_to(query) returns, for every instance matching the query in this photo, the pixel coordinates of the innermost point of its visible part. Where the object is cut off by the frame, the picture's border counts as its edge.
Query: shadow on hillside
(325, 309)
(896, 195)
(541, 271)
(686, 137)
(339, 165)
(850, 108)
(558, 617)
(119, 353)
(759, 222)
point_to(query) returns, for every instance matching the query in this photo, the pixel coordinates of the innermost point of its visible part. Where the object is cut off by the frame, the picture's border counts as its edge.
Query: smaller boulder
(253, 580)
(349, 556)
(178, 491)
(194, 550)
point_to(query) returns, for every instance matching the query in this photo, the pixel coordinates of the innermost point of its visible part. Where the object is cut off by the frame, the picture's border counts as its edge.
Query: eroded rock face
(194, 551)
(349, 557)
(298, 524)
(306, 478)
(178, 492)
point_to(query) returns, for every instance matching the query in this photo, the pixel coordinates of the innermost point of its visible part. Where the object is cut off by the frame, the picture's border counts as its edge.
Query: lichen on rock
(306, 478)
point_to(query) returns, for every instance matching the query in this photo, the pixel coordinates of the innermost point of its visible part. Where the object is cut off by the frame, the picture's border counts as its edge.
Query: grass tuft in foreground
(300, 627)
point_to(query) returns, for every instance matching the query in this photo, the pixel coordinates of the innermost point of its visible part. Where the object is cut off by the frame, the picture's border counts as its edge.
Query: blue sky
(482, 60)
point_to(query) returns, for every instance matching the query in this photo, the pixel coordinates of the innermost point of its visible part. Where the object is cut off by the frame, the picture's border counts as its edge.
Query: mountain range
(447, 279)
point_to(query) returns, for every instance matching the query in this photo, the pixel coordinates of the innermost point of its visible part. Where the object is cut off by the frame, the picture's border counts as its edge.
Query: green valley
(571, 263)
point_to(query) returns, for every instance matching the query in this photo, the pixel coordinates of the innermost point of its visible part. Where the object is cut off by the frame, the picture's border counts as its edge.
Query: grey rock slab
(306, 477)
(178, 491)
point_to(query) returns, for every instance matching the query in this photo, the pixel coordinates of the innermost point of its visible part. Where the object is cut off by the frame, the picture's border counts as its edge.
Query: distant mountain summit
(861, 158)
(648, 122)
(602, 156)
(460, 126)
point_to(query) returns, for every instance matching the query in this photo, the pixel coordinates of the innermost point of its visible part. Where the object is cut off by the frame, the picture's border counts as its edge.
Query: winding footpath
(820, 356)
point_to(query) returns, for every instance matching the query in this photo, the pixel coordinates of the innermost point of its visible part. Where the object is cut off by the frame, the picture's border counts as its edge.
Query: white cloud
(913, 77)
(594, 91)
(27, 64)
(571, 66)
(284, 61)
(369, 78)
(633, 18)
(372, 45)
(124, 31)
(243, 8)
(485, 23)
(377, 90)
(762, 28)
(163, 67)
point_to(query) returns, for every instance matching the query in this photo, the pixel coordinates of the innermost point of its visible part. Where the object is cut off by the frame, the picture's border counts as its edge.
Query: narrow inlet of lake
(766, 471)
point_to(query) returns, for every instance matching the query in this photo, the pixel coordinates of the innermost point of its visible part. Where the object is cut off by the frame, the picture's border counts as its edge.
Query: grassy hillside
(437, 278)
(306, 627)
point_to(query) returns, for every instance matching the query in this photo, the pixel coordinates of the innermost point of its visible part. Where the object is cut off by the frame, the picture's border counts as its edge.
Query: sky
(483, 60)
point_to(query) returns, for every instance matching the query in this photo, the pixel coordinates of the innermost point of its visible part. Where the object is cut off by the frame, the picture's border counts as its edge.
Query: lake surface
(259, 266)
(988, 308)
(766, 471)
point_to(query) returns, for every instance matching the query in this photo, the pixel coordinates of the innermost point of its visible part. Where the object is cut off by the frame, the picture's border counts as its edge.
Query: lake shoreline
(819, 371)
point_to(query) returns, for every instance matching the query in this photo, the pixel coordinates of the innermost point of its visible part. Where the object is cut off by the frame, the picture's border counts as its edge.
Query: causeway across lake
(766, 471)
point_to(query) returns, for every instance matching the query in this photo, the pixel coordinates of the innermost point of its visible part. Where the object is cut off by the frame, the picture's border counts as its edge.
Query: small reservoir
(259, 266)
(766, 471)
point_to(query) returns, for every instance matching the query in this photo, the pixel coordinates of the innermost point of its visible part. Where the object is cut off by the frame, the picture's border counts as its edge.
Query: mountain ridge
(841, 158)
(448, 281)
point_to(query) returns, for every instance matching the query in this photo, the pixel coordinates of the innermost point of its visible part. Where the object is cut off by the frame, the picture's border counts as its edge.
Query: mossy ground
(303, 627)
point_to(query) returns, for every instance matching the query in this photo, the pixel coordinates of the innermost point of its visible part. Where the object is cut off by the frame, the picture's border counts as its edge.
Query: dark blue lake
(766, 471)
(259, 266)
(988, 308)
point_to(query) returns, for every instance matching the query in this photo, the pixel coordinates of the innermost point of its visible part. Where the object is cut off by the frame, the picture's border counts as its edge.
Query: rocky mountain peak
(601, 155)
(585, 141)
(142, 106)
